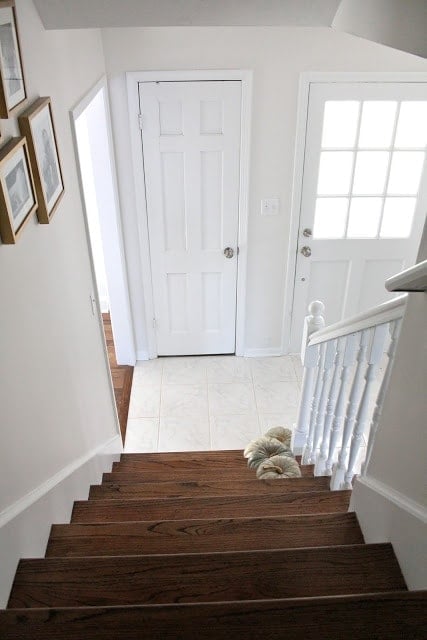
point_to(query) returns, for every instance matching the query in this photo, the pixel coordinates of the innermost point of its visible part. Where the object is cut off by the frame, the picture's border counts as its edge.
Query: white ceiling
(60, 14)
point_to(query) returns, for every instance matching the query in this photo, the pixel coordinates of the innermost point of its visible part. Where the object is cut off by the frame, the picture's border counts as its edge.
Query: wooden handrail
(385, 312)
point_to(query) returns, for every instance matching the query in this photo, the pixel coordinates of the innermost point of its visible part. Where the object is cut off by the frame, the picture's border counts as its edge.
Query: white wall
(55, 394)
(277, 55)
(391, 500)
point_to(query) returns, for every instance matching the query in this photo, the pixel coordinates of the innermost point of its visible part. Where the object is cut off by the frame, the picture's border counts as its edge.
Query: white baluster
(328, 361)
(349, 358)
(394, 329)
(376, 353)
(308, 449)
(309, 358)
(356, 389)
(319, 469)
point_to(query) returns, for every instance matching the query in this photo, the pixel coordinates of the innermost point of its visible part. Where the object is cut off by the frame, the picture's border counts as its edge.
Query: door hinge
(154, 323)
(140, 121)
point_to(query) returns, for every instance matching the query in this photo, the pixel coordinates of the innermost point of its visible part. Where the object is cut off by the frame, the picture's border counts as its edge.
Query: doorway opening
(90, 121)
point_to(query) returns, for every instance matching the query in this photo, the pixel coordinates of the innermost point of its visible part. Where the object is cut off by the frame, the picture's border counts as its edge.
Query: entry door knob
(228, 252)
(306, 252)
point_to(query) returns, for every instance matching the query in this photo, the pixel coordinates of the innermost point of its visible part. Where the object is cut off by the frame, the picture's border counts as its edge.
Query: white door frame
(112, 242)
(132, 80)
(306, 78)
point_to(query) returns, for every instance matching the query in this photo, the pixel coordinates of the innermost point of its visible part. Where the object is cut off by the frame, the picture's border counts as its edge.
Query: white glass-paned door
(363, 194)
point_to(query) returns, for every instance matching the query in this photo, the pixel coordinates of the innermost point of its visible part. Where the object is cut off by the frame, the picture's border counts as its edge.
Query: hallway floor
(210, 402)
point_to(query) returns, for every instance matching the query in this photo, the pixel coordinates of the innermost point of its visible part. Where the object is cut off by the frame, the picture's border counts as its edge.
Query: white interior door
(191, 149)
(364, 195)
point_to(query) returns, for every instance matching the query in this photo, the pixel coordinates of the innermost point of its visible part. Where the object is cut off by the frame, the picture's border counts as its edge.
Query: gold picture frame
(36, 124)
(12, 84)
(18, 199)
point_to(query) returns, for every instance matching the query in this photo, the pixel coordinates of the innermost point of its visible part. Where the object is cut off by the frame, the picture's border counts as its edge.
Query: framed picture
(18, 198)
(36, 124)
(12, 85)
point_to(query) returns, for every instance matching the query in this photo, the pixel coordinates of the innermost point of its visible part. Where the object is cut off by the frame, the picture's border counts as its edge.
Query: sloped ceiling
(401, 24)
(63, 14)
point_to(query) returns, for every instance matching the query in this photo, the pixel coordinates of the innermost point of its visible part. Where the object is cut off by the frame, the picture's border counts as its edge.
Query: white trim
(399, 499)
(31, 497)
(88, 97)
(94, 294)
(363, 76)
(142, 355)
(301, 126)
(132, 80)
(307, 78)
(263, 353)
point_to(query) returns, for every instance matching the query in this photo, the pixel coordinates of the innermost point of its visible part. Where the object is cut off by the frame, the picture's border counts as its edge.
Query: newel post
(309, 358)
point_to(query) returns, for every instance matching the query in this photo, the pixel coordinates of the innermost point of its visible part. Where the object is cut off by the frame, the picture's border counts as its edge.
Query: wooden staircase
(192, 546)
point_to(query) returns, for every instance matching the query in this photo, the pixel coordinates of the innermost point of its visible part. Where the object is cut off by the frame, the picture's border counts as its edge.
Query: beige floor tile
(187, 400)
(232, 398)
(233, 431)
(141, 435)
(184, 434)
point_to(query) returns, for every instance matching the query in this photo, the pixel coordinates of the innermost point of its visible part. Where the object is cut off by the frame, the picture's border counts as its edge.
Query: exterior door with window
(191, 151)
(364, 195)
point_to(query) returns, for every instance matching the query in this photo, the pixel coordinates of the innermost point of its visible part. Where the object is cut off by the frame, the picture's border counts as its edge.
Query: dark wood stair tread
(189, 536)
(220, 507)
(379, 616)
(211, 577)
(168, 462)
(194, 488)
(189, 475)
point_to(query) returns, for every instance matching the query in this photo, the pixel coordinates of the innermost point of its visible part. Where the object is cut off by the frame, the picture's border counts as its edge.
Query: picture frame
(36, 124)
(18, 198)
(12, 84)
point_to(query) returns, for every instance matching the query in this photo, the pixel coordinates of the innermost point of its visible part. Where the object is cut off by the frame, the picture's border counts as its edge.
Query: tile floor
(210, 402)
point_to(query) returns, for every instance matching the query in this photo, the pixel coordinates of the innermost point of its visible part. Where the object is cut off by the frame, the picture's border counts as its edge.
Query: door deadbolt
(307, 233)
(228, 252)
(306, 252)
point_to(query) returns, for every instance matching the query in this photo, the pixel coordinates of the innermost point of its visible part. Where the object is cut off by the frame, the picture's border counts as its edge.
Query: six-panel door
(191, 150)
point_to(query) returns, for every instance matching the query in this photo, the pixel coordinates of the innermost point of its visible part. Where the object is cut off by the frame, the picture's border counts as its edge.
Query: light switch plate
(270, 206)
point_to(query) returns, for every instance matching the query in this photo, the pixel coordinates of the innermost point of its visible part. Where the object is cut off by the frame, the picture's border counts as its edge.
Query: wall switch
(270, 206)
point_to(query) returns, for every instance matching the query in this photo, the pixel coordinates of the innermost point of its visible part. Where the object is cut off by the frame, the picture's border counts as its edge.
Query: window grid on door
(371, 160)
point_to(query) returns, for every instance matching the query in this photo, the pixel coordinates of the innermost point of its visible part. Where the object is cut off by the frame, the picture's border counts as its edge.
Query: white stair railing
(338, 400)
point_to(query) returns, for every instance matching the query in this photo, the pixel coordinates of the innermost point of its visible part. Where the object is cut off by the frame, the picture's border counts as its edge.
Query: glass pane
(330, 217)
(412, 125)
(370, 173)
(364, 219)
(377, 124)
(405, 172)
(340, 123)
(397, 217)
(335, 172)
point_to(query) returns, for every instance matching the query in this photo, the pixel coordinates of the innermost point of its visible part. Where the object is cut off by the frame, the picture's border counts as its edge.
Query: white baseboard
(385, 515)
(25, 525)
(114, 445)
(263, 353)
(142, 355)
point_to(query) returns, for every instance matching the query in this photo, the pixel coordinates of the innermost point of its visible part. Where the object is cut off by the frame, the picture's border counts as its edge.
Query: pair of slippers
(272, 456)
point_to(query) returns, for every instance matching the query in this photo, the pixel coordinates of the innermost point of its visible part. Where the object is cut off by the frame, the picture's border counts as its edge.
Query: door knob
(306, 252)
(307, 233)
(228, 252)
